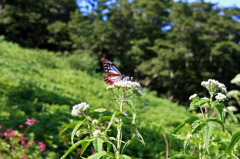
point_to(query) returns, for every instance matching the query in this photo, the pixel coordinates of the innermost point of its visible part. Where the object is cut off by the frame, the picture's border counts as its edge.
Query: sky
(220, 3)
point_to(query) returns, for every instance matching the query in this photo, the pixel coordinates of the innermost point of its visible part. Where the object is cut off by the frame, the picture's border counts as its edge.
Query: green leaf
(183, 156)
(231, 114)
(222, 124)
(98, 155)
(100, 110)
(197, 102)
(69, 125)
(84, 146)
(98, 144)
(104, 118)
(133, 111)
(234, 140)
(187, 121)
(199, 127)
(111, 121)
(109, 146)
(76, 128)
(220, 112)
(138, 134)
(75, 145)
(207, 133)
(126, 157)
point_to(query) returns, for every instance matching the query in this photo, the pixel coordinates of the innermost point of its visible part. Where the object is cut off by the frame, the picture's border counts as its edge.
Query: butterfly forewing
(109, 67)
(113, 74)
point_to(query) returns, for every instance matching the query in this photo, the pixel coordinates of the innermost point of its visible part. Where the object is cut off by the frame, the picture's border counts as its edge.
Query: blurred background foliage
(170, 47)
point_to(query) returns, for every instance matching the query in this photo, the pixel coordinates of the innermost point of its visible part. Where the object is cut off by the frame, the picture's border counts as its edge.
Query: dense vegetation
(38, 84)
(201, 43)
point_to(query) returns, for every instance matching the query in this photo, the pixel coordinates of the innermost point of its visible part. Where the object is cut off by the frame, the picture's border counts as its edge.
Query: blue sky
(220, 3)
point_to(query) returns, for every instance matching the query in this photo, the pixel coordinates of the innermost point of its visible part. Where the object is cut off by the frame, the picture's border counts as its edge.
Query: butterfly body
(113, 74)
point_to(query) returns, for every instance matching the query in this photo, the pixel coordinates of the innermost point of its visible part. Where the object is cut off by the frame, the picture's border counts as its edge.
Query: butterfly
(113, 74)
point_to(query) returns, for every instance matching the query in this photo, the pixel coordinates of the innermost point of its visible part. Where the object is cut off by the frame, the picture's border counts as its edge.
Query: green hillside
(38, 84)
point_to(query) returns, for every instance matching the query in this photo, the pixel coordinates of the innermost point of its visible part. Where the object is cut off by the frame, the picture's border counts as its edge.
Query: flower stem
(119, 129)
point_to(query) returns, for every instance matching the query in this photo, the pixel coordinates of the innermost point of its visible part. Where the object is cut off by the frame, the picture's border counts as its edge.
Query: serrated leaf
(234, 140)
(98, 155)
(76, 145)
(222, 124)
(75, 129)
(98, 144)
(183, 156)
(68, 126)
(207, 133)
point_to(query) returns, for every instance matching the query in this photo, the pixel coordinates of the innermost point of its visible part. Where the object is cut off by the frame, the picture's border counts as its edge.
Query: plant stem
(119, 129)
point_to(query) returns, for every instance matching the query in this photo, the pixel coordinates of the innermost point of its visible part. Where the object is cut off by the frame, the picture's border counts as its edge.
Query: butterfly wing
(113, 74)
(111, 78)
(109, 67)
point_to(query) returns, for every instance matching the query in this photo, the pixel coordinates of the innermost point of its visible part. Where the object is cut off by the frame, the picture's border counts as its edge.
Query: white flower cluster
(95, 122)
(213, 86)
(192, 96)
(124, 84)
(77, 109)
(220, 97)
(96, 133)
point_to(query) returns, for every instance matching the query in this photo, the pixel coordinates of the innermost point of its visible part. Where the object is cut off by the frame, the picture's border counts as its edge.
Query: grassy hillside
(39, 84)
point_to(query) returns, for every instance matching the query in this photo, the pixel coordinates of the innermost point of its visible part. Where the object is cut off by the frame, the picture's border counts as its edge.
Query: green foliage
(37, 23)
(38, 84)
(201, 131)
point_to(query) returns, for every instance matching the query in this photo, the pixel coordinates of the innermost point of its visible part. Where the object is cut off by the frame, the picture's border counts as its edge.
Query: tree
(37, 23)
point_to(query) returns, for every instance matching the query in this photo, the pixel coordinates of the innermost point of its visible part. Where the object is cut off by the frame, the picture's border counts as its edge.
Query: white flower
(96, 133)
(95, 122)
(220, 97)
(124, 84)
(192, 96)
(189, 136)
(213, 86)
(231, 108)
(204, 98)
(86, 107)
(77, 109)
(78, 133)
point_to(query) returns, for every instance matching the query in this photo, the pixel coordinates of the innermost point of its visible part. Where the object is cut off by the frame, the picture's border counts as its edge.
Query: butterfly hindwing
(111, 78)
